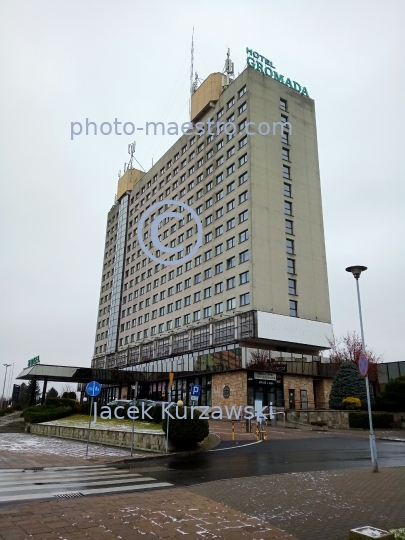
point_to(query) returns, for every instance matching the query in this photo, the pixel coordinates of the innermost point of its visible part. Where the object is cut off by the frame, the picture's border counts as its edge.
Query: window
(242, 108)
(178, 304)
(219, 213)
(169, 308)
(207, 273)
(230, 187)
(283, 104)
(243, 197)
(208, 220)
(197, 278)
(230, 243)
(187, 319)
(219, 308)
(230, 152)
(170, 291)
(231, 283)
(243, 256)
(230, 263)
(243, 236)
(219, 249)
(243, 178)
(242, 160)
(289, 246)
(243, 278)
(219, 287)
(197, 261)
(187, 283)
(197, 296)
(208, 255)
(187, 300)
(207, 312)
(207, 292)
(291, 266)
(286, 172)
(208, 237)
(293, 308)
(209, 169)
(219, 178)
(199, 210)
(219, 268)
(230, 205)
(200, 193)
(200, 147)
(288, 208)
(161, 311)
(231, 304)
(230, 103)
(289, 226)
(196, 316)
(219, 230)
(208, 203)
(284, 137)
(242, 91)
(209, 186)
(177, 322)
(220, 113)
(219, 195)
(287, 190)
(230, 224)
(242, 125)
(220, 160)
(292, 286)
(243, 216)
(230, 169)
(285, 154)
(244, 299)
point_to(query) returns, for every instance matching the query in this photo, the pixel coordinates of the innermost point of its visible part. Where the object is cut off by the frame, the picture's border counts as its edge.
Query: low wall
(333, 419)
(144, 440)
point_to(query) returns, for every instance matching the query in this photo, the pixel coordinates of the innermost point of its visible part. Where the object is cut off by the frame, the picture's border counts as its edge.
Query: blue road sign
(195, 390)
(363, 365)
(93, 389)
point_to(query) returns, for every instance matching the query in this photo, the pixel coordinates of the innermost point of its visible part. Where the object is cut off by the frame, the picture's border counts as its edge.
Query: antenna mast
(191, 71)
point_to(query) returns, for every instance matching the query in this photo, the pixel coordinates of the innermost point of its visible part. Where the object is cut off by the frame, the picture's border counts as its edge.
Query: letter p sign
(195, 390)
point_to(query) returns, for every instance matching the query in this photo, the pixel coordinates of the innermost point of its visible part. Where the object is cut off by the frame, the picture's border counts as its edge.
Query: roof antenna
(228, 68)
(191, 71)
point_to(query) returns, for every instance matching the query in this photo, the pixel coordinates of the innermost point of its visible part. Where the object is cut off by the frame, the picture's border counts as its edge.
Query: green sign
(265, 66)
(33, 361)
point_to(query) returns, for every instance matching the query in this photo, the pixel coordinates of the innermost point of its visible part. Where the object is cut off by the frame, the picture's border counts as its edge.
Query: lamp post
(4, 384)
(356, 271)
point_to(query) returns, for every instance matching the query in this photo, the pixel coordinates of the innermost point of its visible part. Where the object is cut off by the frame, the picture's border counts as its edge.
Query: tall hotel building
(248, 315)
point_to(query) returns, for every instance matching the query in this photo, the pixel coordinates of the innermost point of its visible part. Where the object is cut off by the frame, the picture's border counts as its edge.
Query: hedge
(43, 413)
(380, 420)
(61, 402)
(186, 433)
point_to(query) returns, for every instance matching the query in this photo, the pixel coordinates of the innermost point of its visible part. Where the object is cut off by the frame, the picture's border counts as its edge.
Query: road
(274, 457)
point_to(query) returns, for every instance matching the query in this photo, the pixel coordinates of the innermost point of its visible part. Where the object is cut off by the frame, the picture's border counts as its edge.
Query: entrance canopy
(68, 374)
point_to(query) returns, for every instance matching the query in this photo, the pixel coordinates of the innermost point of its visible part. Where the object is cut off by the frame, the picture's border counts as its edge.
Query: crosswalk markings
(67, 482)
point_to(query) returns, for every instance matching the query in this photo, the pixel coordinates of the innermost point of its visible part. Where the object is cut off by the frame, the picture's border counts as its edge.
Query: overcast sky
(68, 60)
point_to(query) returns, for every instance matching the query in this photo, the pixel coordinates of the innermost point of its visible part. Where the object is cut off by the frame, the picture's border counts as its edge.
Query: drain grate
(68, 495)
(33, 469)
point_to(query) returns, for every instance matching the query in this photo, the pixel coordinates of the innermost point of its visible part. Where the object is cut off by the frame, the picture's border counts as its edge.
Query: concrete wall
(154, 442)
(334, 419)
(237, 383)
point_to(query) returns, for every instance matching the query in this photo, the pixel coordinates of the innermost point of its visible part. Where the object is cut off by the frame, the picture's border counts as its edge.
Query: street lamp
(356, 271)
(5, 378)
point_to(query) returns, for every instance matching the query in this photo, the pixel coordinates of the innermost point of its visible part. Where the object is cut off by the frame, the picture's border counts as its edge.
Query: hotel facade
(246, 314)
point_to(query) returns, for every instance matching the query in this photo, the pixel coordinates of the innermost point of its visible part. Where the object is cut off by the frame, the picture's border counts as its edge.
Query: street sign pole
(373, 448)
(171, 377)
(88, 434)
(133, 419)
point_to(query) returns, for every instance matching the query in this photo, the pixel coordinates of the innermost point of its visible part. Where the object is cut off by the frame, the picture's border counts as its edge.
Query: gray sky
(67, 60)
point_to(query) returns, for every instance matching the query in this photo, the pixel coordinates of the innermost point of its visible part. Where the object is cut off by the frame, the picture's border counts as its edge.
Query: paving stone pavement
(319, 505)
(164, 514)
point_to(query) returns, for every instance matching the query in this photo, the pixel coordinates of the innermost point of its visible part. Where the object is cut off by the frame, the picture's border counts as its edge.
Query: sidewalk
(165, 514)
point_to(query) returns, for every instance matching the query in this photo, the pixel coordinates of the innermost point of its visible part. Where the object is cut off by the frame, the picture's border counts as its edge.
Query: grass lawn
(82, 420)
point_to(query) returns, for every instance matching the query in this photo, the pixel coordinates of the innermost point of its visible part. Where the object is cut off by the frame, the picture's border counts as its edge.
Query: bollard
(233, 430)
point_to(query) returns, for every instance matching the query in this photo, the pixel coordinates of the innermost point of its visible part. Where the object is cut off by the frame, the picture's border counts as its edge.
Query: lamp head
(356, 270)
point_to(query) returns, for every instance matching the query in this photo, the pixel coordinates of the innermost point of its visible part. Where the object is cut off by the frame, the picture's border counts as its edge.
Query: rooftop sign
(33, 361)
(265, 66)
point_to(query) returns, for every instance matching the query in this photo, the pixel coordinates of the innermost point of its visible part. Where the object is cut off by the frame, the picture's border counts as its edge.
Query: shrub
(393, 396)
(319, 423)
(186, 433)
(380, 420)
(351, 403)
(43, 413)
(2, 412)
(347, 383)
(61, 402)
(157, 414)
(69, 395)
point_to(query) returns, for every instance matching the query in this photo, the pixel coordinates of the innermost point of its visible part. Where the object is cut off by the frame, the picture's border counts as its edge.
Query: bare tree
(67, 388)
(348, 349)
(260, 359)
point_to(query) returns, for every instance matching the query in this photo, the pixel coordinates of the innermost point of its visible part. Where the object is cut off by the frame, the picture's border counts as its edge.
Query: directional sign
(363, 365)
(195, 390)
(93, 389)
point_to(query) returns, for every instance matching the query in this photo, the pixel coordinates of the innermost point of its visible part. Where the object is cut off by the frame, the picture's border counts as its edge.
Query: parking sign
(195, 390)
